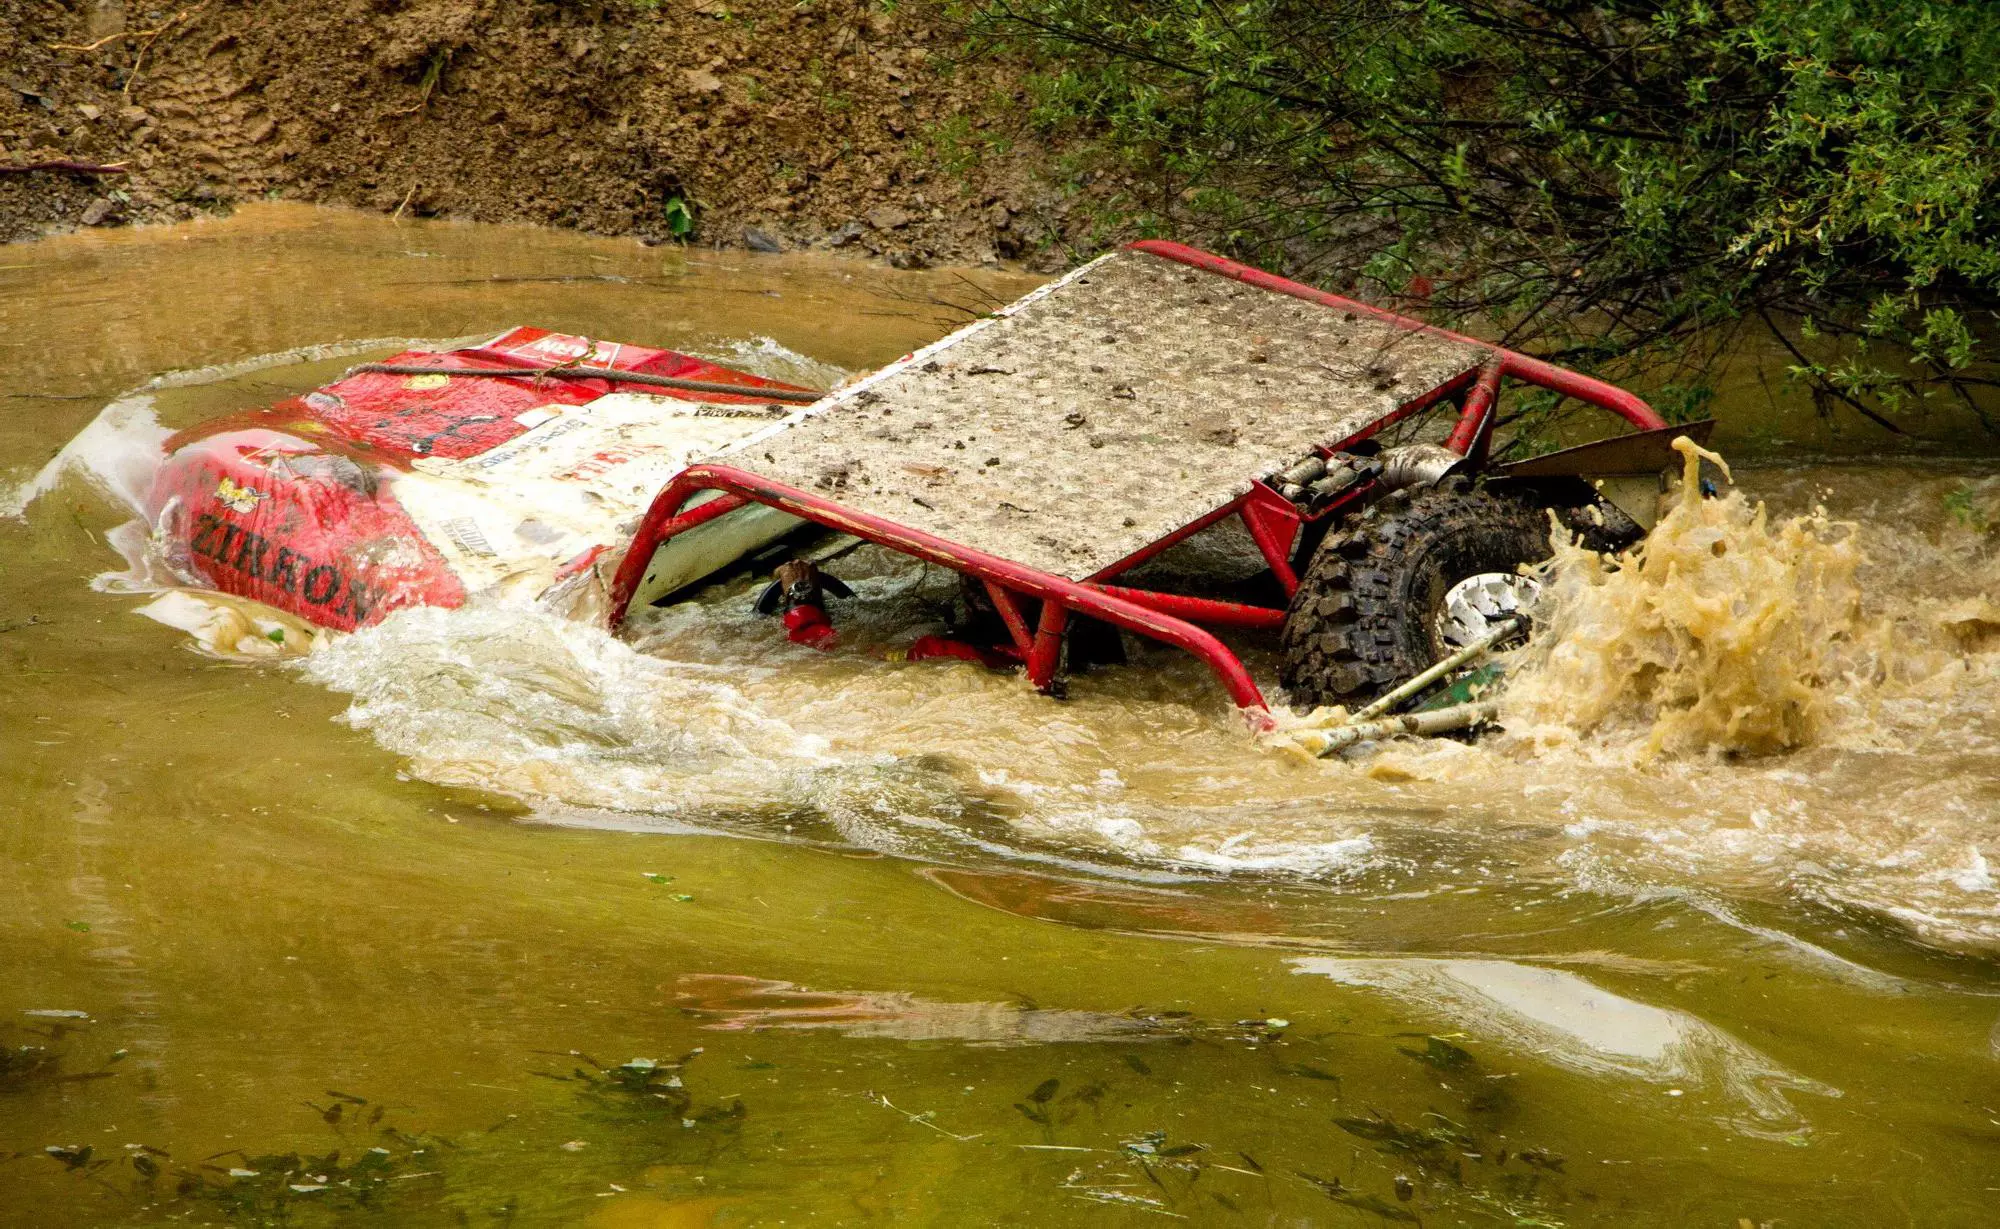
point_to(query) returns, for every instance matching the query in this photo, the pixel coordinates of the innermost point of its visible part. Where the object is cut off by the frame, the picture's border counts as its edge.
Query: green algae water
(482, 917)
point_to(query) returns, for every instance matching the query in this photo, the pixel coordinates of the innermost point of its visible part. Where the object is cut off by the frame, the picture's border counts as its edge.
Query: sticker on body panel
(563, 348)
(262, 516)
(516, 513)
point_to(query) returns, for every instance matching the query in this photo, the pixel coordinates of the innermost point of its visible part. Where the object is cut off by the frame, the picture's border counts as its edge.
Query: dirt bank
(843, 123)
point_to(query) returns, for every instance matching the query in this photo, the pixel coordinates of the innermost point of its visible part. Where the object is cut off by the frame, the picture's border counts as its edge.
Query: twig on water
(924, 1120)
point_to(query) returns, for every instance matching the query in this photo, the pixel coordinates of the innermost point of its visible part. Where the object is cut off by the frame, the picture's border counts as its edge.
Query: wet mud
(764, 124)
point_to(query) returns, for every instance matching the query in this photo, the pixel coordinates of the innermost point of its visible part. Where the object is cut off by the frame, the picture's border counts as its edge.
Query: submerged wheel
(1399, 587)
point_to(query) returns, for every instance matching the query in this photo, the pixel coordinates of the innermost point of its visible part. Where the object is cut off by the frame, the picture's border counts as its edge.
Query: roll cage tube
(1058, 596)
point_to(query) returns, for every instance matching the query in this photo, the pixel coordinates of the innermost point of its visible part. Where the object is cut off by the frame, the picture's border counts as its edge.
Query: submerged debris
(1337, 1191)
(29, 1066)
(399, 1174)
(731, 1002)
(21, 1066)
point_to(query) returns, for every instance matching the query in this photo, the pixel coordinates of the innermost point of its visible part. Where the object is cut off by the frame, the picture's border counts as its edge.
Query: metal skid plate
(1102, 412)
(1642, 452)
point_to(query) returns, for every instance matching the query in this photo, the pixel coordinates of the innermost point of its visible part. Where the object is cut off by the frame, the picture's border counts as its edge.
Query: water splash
(116, 455)
(1721, 632)
(232, 628)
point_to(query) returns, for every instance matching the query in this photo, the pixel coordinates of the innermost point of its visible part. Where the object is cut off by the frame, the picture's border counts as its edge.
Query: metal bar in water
(1436, 721)
(1416, 683)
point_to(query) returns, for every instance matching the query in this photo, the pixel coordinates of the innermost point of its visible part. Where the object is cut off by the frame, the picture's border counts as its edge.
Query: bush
(1614, 184)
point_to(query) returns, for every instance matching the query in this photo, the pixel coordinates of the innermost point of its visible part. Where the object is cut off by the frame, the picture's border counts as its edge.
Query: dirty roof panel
(1102, 412)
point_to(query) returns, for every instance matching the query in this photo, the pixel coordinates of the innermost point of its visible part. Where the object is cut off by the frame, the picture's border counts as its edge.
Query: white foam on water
(1311, 859)
(232, 628)
(524, 702)
(772, 359)
(319, 352)
(117, 454)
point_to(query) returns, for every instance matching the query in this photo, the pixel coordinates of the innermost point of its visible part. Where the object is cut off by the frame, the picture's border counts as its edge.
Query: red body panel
(294, 505)
(274, 518)
(397, 418)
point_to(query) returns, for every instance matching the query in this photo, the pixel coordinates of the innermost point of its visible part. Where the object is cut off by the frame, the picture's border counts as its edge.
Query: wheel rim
(1474, 605)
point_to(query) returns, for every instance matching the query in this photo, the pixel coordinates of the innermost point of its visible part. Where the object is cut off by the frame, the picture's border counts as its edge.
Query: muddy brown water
(526, 924)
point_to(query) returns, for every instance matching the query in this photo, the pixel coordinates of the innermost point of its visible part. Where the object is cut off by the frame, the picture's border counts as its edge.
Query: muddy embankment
(847, 124)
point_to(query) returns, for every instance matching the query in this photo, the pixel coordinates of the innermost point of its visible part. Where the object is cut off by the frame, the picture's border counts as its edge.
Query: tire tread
(1370, 570)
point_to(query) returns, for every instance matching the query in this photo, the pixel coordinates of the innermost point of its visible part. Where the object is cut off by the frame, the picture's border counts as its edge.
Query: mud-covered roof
(1102, 412)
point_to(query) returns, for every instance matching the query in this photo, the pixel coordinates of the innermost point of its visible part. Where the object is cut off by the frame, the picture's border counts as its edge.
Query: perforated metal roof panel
(1101, 412)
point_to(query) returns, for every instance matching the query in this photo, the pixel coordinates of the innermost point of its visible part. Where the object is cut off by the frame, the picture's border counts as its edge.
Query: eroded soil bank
(827, 123)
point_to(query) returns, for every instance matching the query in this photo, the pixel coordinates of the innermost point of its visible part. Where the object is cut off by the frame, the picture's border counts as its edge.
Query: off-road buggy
(1052, 454)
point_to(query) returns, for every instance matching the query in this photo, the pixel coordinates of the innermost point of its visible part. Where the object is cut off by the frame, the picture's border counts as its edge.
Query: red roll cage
(1273, 522)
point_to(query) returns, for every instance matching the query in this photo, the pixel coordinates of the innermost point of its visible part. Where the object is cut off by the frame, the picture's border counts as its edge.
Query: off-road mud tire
(1365, 615)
